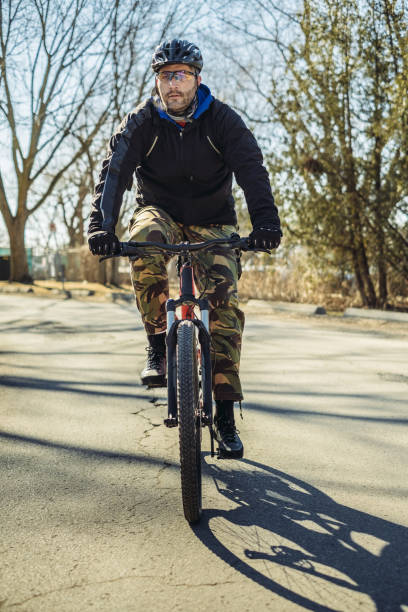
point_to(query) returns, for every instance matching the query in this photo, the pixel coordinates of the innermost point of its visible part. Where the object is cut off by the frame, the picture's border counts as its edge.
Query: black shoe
(229, 443)
(154, 374)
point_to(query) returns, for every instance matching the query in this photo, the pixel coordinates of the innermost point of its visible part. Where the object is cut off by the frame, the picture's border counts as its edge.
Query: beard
(176, 101)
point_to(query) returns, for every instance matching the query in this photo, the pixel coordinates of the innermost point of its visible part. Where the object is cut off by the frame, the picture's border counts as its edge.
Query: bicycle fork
(187, 301)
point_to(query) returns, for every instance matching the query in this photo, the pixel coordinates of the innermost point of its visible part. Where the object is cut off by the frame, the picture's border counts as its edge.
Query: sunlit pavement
(315, 517)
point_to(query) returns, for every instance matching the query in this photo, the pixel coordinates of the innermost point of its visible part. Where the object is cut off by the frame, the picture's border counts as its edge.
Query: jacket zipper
(181, 147)
(213, 145)
(152, 147)
(181, 139)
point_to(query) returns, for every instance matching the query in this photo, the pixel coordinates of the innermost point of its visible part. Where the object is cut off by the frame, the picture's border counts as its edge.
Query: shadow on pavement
(297, 542)
(92, 453)
(47, 384)
(296, 412)
(56, 327)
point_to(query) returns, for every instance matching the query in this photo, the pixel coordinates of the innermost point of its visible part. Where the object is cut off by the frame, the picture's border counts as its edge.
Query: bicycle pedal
(155, 384)
(171, 422)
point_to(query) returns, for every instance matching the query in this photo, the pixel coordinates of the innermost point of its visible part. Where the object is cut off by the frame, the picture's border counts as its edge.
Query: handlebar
(133, 248)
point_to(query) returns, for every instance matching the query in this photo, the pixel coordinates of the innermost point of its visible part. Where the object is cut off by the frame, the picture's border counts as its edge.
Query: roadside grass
(277, 286)
(270, 287)
(49, 287)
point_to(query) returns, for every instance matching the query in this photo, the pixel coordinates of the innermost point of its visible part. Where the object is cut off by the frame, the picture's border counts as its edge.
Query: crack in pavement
(118, 579)
(147, 418)
(146, 434)
(159, 474)
(203, 584)
(80, 586)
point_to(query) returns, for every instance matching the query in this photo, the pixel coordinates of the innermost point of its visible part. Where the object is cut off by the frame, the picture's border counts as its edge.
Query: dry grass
(306, 286)
(51, 287)
(270, 284)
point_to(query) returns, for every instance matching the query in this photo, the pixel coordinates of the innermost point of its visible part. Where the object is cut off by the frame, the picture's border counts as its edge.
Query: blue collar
(204, 100)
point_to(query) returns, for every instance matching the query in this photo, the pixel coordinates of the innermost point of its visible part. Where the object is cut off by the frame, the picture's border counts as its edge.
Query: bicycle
(189, 387)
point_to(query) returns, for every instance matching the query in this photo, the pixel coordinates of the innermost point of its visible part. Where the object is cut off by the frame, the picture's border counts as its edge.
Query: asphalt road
(314, 518)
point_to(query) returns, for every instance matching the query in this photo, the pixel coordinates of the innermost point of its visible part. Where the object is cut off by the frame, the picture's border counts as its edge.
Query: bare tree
(53, 62)
(130, 81)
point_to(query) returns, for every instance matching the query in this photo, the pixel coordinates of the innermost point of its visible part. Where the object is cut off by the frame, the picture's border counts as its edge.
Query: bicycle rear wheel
(189, 421)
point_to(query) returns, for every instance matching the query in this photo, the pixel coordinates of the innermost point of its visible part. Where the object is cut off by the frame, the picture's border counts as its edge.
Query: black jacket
(185, 171)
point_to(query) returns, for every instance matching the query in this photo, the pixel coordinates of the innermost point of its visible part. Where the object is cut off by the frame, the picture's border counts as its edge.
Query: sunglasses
(178, 75)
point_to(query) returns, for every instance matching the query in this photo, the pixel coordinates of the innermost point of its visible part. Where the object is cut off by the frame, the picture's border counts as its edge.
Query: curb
(263, 306)
(10, 289)
(82, 292)
(120, 297)
(291, 307)
(67, 293)
(380, 315)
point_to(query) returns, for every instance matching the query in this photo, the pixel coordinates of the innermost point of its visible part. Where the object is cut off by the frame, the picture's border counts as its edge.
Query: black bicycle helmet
(177, 51)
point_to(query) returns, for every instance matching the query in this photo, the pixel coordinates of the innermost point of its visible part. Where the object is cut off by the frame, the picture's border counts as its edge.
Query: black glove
(266, 237)
(103, 243)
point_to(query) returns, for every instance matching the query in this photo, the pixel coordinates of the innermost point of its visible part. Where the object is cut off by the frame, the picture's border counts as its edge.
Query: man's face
(177, 95)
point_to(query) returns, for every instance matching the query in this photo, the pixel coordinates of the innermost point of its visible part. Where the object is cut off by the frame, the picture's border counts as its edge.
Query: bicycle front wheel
(189, 421)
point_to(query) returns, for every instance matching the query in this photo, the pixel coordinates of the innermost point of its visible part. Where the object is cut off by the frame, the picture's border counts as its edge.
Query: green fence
(5, 262)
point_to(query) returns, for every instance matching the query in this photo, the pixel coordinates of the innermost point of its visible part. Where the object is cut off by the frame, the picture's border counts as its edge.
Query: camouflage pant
(216, 275)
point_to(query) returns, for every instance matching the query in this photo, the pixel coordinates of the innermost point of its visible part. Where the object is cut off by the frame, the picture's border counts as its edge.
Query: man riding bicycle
(184, 145)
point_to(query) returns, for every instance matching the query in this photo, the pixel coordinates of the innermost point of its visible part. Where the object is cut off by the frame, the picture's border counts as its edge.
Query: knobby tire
(189, 421)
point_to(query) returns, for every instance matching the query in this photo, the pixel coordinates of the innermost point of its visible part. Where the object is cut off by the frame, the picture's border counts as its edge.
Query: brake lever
(244, 246)
(247, 249)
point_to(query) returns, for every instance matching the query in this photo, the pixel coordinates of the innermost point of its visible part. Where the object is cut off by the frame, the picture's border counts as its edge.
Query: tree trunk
(380, 236)
(81, 230)
(72, 242)
(382, 271)
(359, 279)
(102, 273)
(366, 285)
(366, 276)
(19, 264)
(113, 272)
